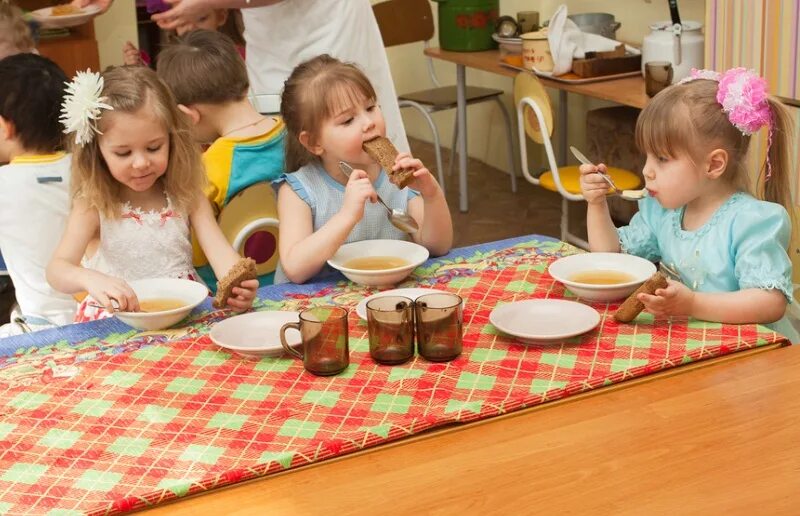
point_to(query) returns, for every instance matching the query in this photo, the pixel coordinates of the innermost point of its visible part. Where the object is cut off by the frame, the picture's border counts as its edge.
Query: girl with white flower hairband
(700, 216)
(137, 187)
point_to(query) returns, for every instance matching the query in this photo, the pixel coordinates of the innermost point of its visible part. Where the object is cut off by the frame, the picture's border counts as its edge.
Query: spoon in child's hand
(630, 195)
(399, 219)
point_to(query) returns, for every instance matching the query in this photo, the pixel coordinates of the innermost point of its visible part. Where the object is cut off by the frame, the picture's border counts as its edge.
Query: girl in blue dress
(700, 216)
(330, 110)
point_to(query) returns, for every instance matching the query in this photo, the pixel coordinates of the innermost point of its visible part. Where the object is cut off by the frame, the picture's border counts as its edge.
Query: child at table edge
(729, 248)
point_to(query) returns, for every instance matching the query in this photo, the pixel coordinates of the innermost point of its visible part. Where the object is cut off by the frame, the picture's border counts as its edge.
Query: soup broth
(375, 263)
(602, 277)
(160, 304)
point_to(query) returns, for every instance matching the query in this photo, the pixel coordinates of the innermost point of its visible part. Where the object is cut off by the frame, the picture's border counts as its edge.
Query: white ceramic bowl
(191, 292)
(413, 253)
(564, 268)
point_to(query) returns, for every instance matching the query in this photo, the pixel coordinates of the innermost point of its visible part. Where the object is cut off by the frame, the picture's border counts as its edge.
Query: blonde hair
(686, 120)
(312, 94)
(128, 89)
(14, 29)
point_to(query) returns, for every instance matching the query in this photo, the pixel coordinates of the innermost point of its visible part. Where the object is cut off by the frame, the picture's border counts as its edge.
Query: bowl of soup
(602, 276)
(378, 263)
(163, 302)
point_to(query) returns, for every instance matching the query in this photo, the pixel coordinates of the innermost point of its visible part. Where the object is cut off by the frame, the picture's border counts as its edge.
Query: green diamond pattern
(226, 420)
(621, 364)
(94, 408)
(5, 429)
(211, 358)
(61, 512)
(692, 344)
(28, 400)
(268, 364)
(640, 340)
(57, 438)
(379, 430)
(391, 403)
(185, 385)
(490, 329)
(539, 386)
(24, 473)
(463, 406)
(464, 282)
(179, 486)
(521, 286)
(299, 428)
(204, 454)
(400, 373)
(132, 446)
(324, 398)
(151, 353)
(156, 414)
(283, 458)
(480, 382)
(487, 355)
(251, 392)
(700, 325)
(558, 360)
(122, 379)
(94, 480)
(358, 345)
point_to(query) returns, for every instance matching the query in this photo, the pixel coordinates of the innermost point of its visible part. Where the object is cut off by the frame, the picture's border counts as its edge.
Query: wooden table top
(628, 91)
(719, 439)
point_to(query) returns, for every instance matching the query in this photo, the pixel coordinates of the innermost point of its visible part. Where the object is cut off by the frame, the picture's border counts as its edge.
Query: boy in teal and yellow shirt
(209, 80)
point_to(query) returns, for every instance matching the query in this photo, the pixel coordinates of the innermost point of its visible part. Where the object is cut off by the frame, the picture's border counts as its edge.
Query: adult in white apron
(280, 34)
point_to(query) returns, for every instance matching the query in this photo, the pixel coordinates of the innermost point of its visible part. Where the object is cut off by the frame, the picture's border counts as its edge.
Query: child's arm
(220, 254)
(304, 251)
(752, 305)
(65, 274)
(603, 236)
(130, 54)
(431, 211)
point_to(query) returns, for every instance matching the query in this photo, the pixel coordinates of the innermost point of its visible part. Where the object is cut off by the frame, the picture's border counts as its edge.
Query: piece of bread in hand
(242, 270)
(631, 307)
(384, 153)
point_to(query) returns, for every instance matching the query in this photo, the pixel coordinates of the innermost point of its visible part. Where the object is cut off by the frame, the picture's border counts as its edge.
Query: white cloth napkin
(567, 41)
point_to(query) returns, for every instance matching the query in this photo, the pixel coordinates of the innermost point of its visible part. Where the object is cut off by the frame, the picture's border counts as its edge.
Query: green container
(467, 25)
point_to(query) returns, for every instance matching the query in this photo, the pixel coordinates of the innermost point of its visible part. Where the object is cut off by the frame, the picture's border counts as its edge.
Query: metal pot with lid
(603, 24)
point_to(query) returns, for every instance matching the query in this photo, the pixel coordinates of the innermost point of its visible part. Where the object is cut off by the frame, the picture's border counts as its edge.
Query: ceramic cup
(324, 332)
(390, 321)
(657, 76)
(536, 51)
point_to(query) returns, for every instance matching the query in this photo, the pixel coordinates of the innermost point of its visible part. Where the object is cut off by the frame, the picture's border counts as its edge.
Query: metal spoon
(631, 195)
(399, 219)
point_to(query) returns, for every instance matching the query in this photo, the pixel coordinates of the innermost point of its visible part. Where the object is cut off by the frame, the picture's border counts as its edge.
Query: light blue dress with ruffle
(743, 245)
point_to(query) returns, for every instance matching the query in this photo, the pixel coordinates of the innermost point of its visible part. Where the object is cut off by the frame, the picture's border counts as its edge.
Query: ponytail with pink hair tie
(743, 96)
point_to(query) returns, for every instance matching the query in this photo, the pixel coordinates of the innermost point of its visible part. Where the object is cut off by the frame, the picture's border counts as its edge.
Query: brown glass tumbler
(390, 321)
(324, 332)
(439, 320)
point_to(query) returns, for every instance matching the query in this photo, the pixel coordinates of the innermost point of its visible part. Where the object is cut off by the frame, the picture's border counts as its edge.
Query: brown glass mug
(439, 321)
(657, 76)
(324, 332)
(390, 321)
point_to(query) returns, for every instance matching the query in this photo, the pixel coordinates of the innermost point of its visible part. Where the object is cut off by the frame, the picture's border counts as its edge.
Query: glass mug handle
(286, 346)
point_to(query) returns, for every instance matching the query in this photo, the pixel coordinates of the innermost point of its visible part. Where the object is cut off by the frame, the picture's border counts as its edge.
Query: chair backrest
(404, 21)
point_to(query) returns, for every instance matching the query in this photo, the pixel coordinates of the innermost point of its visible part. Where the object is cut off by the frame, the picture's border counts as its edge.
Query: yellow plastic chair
(535, 120)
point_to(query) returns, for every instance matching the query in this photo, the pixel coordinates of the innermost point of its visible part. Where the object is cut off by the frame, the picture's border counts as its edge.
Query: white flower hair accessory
(82, 106)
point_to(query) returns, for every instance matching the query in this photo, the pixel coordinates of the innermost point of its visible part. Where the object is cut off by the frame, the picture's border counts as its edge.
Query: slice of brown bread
(244, 269)
(382, 151)
(631, 307)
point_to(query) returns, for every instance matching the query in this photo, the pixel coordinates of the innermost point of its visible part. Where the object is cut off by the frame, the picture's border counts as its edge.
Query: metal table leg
(461, 118)
(562, 128)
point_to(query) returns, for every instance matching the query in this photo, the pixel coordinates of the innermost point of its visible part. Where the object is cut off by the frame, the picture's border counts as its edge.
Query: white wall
(486, 131)
(112, 29)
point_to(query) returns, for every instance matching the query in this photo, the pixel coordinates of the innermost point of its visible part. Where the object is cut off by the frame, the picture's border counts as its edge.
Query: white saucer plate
(544, 321)
(411, 293)
(256, 334)
(48, 21)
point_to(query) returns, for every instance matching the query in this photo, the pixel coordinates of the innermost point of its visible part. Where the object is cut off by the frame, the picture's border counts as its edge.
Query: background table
(628, 91)
(123, 420)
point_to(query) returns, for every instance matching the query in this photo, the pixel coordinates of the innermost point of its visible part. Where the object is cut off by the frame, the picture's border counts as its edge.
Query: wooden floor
(495, 212)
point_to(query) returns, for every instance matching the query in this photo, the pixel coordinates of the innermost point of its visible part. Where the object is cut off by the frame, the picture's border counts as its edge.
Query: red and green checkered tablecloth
(126, 420)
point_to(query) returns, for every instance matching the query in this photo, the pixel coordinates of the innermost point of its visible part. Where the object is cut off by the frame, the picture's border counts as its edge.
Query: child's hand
(130, 54)
(676, 299)
(105, 289)
(423, 181)
(357, 192)
(593, 187)
(242, 297)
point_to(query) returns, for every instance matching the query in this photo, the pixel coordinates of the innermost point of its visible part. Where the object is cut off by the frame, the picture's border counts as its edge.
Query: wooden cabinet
(73, 52)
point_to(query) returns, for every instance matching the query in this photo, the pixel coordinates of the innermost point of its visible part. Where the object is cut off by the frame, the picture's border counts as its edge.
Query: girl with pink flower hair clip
(724, 238)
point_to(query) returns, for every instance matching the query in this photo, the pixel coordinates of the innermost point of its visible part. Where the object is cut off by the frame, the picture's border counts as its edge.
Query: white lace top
(141, 245)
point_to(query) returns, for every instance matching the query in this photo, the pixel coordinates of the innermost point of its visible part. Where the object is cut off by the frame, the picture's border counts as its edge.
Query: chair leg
(510, 144)
(564, 219)
(436, 144)
(453, 149)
